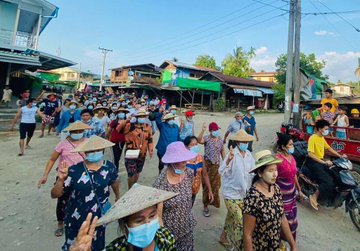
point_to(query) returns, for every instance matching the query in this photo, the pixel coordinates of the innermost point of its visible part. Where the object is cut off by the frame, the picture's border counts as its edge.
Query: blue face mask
(173, 112)
(251, 113)
(195, 149)
(141, 120)
(243, 146)
(34, 105)
(76, 136)
(142, 236)
(171, 122)
(121, 115)
(216, 133)
(86, 103)
(291, 150)
(178, 171)
(72, 107)
(94, 156)
(90, 107)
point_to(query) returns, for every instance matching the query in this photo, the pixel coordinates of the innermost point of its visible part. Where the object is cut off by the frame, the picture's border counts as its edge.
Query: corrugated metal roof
(19, 58)
(187, 66)
(238, 81)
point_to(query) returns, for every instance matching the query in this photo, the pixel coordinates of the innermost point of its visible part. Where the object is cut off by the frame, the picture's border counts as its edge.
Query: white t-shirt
(104, 121)
(28, 114)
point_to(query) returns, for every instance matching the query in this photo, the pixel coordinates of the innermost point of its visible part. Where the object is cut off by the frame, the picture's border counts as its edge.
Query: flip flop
(206, 212)
(59, 232)
(313, 203)
(20, 154)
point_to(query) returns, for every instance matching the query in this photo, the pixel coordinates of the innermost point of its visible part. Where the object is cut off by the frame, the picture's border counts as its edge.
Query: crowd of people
(259, 190)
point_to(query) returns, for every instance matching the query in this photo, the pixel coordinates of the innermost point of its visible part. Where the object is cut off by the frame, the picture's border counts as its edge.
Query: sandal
(206, 212)
(20, 154)
(59, 232)
(313, 203)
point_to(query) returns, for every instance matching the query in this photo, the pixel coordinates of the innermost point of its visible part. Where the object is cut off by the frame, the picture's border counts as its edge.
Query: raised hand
(231, 154)
(86, 233)
(63, 172)
(204, 127)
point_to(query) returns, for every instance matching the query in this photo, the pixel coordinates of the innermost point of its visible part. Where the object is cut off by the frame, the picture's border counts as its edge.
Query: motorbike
(347, 189)
(295, 133)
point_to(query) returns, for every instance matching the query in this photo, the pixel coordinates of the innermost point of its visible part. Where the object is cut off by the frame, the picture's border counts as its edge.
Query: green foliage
(356, 86)
(279, 94)
(238, 63)
(308, 63)
(206, 61)
(219, 105)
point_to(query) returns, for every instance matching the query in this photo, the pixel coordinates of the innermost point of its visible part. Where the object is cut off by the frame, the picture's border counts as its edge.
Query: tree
(206, 61)
(279, 94)
(308, 63)
(357, 71)
(238, 63)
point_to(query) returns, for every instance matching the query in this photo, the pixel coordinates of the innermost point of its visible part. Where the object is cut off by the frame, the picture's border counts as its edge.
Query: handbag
(103, 208)
(134, 153)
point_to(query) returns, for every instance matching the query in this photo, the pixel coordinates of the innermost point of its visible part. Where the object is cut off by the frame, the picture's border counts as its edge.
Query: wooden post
(181, 96)
(202, 99)
(192, 100)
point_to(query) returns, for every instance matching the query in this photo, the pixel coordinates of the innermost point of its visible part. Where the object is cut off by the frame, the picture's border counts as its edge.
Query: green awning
(193, 84)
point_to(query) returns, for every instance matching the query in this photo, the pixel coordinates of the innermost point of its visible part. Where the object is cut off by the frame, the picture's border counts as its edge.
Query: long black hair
(283, 140)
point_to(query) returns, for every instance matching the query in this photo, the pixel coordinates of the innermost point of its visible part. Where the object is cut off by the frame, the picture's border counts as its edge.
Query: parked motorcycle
(347, 189)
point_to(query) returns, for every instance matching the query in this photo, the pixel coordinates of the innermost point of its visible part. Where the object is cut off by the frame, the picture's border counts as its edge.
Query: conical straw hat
(77, 126)
(136, 199)
(94, 143)
(168, 116)
(241, 135)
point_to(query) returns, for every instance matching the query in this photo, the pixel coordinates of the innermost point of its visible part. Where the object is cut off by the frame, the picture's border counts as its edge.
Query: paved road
(27, 215)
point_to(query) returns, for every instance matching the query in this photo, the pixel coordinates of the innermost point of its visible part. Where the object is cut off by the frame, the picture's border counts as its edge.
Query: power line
(329, 13)
(341, 17)
(195, 34)
(211, 34)
(270, 4)
(217, 38)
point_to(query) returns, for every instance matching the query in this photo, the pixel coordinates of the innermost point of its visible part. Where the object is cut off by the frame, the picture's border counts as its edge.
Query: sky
(152, 31)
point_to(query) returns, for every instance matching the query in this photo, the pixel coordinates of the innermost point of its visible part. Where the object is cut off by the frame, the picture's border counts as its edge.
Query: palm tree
(357, 71)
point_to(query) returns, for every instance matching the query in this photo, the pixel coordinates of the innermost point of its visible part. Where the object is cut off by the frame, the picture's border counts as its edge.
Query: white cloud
(340, 66)
(324, 33)
(263, 61)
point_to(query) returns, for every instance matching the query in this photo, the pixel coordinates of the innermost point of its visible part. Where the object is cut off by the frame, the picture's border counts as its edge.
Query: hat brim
(101, 108)
(168, 159)
(263, 163)
(72, 102)
(246, 138)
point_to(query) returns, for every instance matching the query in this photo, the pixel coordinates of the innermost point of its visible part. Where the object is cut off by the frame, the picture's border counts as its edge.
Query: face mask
(121, 115)
(173, 112)
(325, 133)
(114, 108)
(142, 104)
(141, 120)
(34, 105)
(104, 104)
(94, 157)
(171, 122)
(142, 236)
(76, 136)
(94, 99)
(86, 103)
(178, 171)
(243, 146)
(291, 150)
(189, 119)
(90, 107)
(72, 107)
(252, 113)
(195, 149)
(216, 133)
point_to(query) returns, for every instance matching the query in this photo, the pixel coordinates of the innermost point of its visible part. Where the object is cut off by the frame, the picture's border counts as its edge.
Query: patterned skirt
(288, 193)
(215, 183)
(234, 223)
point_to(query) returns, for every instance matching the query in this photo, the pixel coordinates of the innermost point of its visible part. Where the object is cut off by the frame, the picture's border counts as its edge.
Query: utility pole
(297, 76)
(104, 51)
(289, 64)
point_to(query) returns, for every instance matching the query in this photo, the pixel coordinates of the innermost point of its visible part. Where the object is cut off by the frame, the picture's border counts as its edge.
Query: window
(192, 75)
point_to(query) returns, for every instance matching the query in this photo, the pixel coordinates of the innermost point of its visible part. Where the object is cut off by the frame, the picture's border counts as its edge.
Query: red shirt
(116, 137)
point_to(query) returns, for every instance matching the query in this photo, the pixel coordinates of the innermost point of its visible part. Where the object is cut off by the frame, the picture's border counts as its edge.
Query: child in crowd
(309, 123)
(341, 121)
(327, 114)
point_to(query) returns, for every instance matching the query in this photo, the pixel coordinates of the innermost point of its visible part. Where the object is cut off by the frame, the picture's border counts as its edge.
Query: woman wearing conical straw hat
(63, 152)
(138, 216)
(87, 184)
(264, 217)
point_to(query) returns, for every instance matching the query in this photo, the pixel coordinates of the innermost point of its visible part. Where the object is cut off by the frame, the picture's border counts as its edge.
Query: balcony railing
(22, 39)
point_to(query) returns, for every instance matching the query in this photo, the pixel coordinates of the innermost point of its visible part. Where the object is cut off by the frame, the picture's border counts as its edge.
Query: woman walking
(177, 212)
(27, 126)
(64, 152)
(263, 209)
(214, 149)
(287, 179)
(116, 134)
(235, 182)
(87, 184)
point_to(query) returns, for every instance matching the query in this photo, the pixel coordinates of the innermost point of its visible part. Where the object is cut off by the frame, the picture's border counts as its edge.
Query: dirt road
(27, 215)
